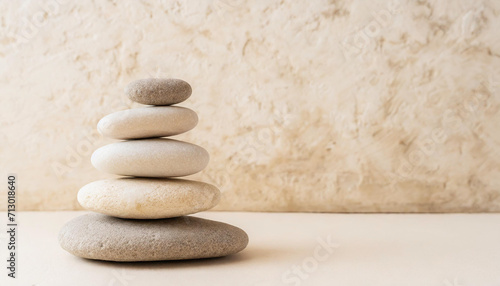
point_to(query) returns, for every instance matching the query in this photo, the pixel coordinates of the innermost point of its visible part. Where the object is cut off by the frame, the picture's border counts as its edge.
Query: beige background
(350, 106)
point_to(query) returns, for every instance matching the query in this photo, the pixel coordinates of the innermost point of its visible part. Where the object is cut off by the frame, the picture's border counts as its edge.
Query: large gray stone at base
(101, 237)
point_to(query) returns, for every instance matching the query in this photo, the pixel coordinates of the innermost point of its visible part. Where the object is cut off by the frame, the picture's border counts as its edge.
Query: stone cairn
(142, 217)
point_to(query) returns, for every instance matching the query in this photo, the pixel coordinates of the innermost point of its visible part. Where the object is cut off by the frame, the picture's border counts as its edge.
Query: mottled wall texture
(317, 106)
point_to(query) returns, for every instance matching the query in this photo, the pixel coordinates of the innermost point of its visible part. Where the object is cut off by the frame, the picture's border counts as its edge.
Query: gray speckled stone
(158, 91)
(101, 237)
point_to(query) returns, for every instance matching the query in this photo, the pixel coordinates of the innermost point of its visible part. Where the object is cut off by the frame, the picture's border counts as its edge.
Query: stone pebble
(101, 237)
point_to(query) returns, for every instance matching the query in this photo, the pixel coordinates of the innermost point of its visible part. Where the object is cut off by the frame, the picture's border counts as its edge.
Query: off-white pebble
(159, 157)
(147, 122)
(145, 198)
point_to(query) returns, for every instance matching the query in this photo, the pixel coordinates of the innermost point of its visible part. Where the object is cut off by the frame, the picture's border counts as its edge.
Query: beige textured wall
(350, 106)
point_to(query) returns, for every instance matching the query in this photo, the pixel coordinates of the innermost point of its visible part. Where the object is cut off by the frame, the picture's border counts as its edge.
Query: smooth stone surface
(159, 157)
(158, 91)
(97, 236)
(144, 198)
(147, 122)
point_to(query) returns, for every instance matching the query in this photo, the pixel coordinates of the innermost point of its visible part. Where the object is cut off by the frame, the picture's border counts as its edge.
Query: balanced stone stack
(143, 217)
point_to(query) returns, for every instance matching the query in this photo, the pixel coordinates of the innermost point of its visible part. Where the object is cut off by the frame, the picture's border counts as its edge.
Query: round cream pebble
(145, 198)
(147, 122)
(159, 157)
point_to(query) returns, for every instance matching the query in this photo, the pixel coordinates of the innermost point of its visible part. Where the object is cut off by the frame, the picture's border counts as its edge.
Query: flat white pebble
(159, 157)
(147, 122)
(145, 198)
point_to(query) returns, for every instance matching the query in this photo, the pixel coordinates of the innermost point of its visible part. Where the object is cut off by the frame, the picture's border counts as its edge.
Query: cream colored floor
(423, 250)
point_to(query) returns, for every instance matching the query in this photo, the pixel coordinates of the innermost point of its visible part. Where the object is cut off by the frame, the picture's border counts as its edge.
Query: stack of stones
(142, 217)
